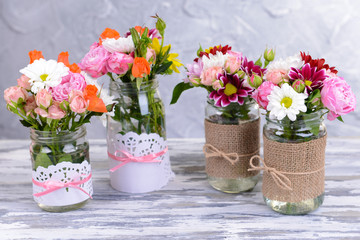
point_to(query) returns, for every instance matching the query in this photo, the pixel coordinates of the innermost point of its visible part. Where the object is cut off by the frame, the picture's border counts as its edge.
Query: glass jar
(231, 118)
(307, 127)
(137, 129)
(58, 159)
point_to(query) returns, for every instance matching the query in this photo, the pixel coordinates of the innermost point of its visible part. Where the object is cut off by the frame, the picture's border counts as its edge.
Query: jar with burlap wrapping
(293, 164)
(232, 138)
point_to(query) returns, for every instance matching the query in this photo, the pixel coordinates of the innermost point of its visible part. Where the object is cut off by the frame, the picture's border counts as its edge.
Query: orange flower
(64, 58)
(75, 68)
(35, 55)
(141, 67)
(96, 104)
(90, 91)
(109, 33)
(140, 30)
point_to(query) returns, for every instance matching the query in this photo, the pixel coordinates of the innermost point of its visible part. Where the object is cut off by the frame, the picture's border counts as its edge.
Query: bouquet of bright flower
(300, 85)
(229, 78)
(133, 60)
(54, 95)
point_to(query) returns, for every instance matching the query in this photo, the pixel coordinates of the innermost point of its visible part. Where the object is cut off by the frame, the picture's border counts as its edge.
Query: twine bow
(151, 158)
(279, 177)
(211, 151)
(52, 186)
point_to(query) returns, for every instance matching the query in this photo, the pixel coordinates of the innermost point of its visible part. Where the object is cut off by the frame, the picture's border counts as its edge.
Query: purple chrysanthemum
(249, 68)
(232, 90)
(310, 75)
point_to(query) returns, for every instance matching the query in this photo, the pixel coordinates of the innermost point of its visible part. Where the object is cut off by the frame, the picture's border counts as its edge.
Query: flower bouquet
(232, 119)
(296, 94)
(54, 99)
(137, 148)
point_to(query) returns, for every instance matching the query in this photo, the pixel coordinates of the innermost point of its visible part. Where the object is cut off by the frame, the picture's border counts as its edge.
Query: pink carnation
(55, 112)
(336, 95)
(194, 71)
(72, 81)
(150, 55)
(275, 75)
(15, 94)
(23, 82)
(77, 101)
(260, 95)
(209, 75)
(94, 62)
(119, 63)
(232, 64)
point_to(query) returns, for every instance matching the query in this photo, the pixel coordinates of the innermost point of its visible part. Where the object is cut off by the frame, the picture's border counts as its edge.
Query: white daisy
(285, 101)
(123, 45)
(217, 60)
(44, 74)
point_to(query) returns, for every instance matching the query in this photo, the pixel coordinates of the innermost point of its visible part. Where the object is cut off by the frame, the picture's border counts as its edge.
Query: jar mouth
(132, 86)
(313, 116)
(248, 101)
(57, 136)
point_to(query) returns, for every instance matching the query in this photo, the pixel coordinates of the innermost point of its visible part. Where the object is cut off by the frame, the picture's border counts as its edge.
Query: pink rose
(336, 95)
(235, 54)
(260, 95)
(72, 81)
(55, 112)
(15, 94)
(30, 105)
(41, 112)
(232, 64)
(275, 75)
(150, 55)
(209, 75)
(94, 62)
(23, 82)
(43, 98)
(119, 63)
(77, 101)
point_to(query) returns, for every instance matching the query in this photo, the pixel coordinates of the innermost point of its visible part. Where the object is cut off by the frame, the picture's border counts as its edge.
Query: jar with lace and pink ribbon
(61, 170)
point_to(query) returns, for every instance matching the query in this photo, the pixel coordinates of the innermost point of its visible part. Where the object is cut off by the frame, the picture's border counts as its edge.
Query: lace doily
(63, 172)
(136, 177)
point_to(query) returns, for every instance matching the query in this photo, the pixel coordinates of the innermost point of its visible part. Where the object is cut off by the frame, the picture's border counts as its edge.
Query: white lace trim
(63, 172)
(140, 177)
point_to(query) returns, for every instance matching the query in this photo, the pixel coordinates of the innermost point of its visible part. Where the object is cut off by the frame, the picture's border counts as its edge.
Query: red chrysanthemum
(213, 51)
(318, 63)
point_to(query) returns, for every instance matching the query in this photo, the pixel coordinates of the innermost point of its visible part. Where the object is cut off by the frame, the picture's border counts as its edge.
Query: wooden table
(187, 208)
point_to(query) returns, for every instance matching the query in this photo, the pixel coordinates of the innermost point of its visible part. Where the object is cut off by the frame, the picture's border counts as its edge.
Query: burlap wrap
(243, 139)
(302, 163)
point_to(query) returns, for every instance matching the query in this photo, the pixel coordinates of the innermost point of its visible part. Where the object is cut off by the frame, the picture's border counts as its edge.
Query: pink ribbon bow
(151, 158)
(51, 186)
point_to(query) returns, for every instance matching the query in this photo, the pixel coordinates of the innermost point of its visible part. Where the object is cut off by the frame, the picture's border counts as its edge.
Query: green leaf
(43, 160)
(138, 83)
(258, 62)
(162, 68)
(340, 119)
(25, 123)
(65, 158)
(179, 88)
(199, 50)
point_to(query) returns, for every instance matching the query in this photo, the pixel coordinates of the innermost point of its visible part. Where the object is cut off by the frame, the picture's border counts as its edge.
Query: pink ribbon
(51, 186)
(151, 158)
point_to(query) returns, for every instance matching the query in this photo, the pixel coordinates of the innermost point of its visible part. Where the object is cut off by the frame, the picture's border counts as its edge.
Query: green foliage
(179, 88)
(43, 160)
(65, 158)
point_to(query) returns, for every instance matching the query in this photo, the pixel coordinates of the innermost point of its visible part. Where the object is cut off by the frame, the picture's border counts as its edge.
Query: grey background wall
(325, 28)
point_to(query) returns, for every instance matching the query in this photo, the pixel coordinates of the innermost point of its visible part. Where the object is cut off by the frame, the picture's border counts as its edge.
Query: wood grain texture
(187, 208)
